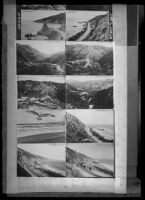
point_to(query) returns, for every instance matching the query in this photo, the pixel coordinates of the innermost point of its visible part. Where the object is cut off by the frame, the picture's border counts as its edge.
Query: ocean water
(29, 27)
(37, 129)
(73, 28)
(75, 20)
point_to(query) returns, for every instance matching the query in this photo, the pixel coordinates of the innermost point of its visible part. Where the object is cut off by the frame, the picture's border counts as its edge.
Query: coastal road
(92, 136)
(86, 33)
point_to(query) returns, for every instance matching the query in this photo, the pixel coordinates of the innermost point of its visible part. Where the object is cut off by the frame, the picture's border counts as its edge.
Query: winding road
(86, 33)
(92, 136)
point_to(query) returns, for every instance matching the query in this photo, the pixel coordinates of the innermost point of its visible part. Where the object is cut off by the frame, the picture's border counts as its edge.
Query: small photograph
(87, 25)
(40, 126)
(90, 126)
(89, 58)
(90, 160)
(40, 92)
(40, 57)
(43, 7)
(41, 160)
(94, 92)
(43, 24)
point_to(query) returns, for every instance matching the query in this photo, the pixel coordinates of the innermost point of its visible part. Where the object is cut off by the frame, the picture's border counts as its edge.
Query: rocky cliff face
(76, 131)
(99, 28)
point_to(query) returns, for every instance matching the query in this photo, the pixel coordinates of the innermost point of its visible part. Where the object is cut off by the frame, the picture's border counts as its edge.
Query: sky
(32, 15)
(88, 78)
(96, 117)
(89, 43)
(97, 151)
(46, 47)
(75, 16)
(24, 117)
(59, 79)
(50, 151)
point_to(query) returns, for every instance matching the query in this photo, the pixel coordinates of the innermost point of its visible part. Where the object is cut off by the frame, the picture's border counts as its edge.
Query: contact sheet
(65, 106)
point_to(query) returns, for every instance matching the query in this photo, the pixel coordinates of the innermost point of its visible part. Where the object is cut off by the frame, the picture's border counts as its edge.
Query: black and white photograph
(90, 126)
(93, 92)
(40, 57)
(40, 92)
(87, 25)
(90, 160)
(37, 126)
(89, 58)
(43, 7)
(42, 24)
(41, 160)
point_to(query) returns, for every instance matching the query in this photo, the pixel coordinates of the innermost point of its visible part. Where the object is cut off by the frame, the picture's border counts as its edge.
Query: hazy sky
(94, 116)
(46, 47)
(75, 16)
(59, 79)
(26, 117)
(97, 151)
(88, 78)
(89, 43)
(50, 151)
(32, 15)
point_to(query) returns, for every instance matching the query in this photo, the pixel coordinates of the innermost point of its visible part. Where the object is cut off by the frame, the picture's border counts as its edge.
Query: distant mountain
(75, 130)
(80, 51)
(32, 61)
(91, 85)
(28, 53)
(57, 58)
(54, 19)
(37, 166)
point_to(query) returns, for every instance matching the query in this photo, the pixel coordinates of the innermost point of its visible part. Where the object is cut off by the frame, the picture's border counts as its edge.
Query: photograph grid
(65, 75)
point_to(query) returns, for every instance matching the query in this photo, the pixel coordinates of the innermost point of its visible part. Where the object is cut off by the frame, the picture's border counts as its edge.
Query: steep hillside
(27, 53)
(50, 33)
(80, 51)
(31, 61)
(37, 166)
(80, 165)
(57, 58)
(75, 130)
(103, 99)
(83, 59)
(95, 29)
(90, 94)
(48, 94)
(99, 28)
